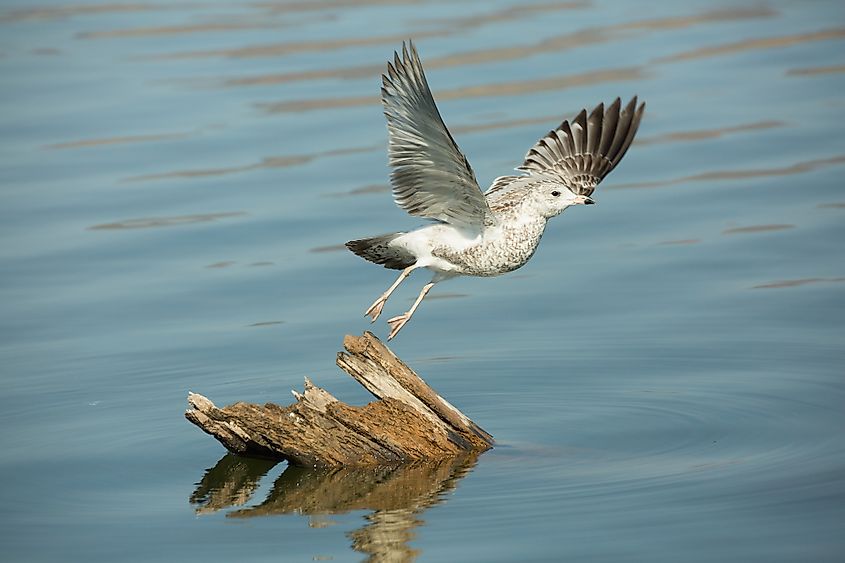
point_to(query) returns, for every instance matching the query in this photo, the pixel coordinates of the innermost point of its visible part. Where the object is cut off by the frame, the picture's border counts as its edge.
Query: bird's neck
(527, 216)
(525, 222)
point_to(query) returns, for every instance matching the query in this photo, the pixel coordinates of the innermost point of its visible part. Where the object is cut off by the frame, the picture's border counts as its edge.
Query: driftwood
(396, 496)
(408, 422)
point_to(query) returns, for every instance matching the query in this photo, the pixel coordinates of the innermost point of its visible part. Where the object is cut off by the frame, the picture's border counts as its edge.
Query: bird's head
(552, 199)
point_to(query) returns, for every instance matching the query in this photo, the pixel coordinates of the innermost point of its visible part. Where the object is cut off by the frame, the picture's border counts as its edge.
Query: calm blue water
(664, 378)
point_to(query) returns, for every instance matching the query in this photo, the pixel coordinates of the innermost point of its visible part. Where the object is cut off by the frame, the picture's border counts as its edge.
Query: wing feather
(582, 152)
(431, 177)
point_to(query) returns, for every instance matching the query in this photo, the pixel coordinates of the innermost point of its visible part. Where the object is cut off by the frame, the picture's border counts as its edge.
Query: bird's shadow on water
(396, 495)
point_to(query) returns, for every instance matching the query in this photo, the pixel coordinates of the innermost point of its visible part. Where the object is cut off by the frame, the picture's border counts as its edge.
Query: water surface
(664, 378)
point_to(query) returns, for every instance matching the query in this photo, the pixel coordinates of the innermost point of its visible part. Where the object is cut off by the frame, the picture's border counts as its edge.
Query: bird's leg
(396, 323)
(375, 309)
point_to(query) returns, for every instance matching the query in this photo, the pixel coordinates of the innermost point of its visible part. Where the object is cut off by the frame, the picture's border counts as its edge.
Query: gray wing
(582, 153)
(431, 177)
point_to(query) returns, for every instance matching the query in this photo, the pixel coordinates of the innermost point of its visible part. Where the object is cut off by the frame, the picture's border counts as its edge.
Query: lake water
(665, 379)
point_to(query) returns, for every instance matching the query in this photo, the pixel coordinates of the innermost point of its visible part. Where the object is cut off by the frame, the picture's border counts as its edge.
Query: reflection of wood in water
(395, 495)
(386, 537)
(229, 483)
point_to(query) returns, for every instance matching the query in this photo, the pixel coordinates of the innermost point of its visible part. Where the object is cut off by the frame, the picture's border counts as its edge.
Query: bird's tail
(380, 251)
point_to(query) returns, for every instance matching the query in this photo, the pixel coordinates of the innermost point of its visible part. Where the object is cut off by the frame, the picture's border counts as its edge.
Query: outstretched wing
(583, 152)
(431, 176)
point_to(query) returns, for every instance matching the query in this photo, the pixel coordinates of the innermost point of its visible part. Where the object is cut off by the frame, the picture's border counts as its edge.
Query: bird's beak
(586, 200)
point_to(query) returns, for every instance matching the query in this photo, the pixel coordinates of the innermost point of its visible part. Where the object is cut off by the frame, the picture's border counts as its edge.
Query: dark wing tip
(581, 118)
(585, 145)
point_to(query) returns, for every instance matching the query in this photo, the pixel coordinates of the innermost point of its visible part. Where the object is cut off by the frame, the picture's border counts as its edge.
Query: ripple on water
(698, 454)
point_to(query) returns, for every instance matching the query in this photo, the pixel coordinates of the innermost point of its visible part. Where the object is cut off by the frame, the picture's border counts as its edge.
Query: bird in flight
(475, 233)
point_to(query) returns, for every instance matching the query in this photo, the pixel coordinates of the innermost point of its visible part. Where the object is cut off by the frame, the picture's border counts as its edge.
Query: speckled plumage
(475, 233)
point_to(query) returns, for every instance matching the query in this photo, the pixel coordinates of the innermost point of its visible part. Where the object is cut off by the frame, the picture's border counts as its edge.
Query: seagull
(475, 233)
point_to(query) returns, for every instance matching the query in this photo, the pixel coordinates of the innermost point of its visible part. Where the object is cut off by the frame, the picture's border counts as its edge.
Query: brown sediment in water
(796, 282)
(702, 134)
(268, 162)
(832, 205)
(447, 28)
(436, 296)
(152, 222)
(317, 104)
(295, 47)
(469, 128)
(686, 241)
(363, 190)
(507, 14)
(710, 16)
(301, 76)
(576, 39)
(553, 120)
(328, 5)
(495, 55)
(177, 29)
(330, 248)
(723, 175)
(755, 44)
(65, 12)
(487, 90)
(45, 51)
(125, 139)
(816, 70)
(757, 229)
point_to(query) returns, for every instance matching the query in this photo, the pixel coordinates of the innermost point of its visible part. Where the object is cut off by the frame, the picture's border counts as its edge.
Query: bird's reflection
(396, 495)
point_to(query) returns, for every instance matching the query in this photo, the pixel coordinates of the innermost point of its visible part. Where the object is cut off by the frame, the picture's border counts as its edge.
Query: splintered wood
(408, 422)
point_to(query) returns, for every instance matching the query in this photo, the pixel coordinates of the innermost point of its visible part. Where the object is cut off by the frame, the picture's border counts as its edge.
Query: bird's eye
(556, 193)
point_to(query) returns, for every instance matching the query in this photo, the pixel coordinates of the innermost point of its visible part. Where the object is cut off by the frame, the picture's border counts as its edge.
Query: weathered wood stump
(408, 422)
